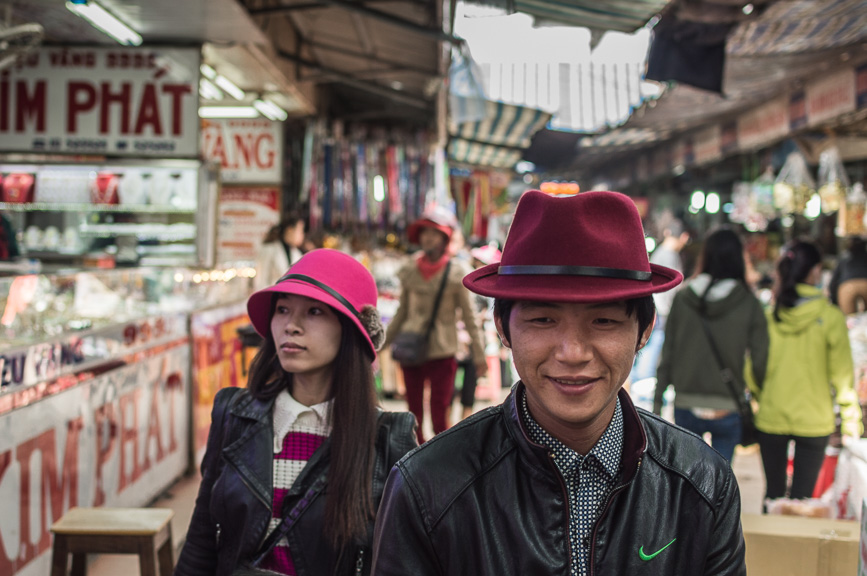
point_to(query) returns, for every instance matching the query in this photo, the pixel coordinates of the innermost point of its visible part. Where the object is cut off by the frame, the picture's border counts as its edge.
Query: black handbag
(738, 391)
(411, 348)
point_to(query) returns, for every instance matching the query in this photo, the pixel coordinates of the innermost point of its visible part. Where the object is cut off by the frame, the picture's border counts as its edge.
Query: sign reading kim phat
(114, 101)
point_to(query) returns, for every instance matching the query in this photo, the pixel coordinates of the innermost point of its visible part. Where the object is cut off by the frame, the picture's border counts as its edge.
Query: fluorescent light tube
(229, 87)
(100, 18)
(228, 112)
(270, 110)
(208, 72)
(209, 91)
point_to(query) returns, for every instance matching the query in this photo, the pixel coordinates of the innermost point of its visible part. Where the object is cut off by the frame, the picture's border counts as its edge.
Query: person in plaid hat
(566, 476)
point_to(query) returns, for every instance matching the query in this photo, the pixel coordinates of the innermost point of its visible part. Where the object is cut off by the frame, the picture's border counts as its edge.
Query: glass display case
(112, 213)
(37, 308)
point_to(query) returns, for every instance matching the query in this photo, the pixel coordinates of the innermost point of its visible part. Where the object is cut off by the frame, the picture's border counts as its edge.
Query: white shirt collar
(288, 412)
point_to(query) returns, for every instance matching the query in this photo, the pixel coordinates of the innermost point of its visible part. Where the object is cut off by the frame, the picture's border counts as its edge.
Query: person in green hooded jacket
(809, 369)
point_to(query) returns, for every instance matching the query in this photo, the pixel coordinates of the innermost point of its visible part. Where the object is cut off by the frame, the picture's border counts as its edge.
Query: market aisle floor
(181, 498)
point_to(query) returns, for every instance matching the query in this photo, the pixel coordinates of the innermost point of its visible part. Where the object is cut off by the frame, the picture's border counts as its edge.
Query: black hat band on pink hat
(334, 293)
(597, 271)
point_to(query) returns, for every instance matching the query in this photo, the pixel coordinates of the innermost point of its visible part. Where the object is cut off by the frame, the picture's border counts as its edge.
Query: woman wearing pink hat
(295, 464)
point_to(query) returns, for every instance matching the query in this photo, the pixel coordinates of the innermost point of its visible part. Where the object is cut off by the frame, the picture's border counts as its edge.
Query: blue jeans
(647, 360)
(725, 432)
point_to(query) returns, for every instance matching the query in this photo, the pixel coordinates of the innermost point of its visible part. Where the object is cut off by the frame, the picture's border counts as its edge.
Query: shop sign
(217, 363)
(831, 96)
(707, 145)
(861, 85)
(119, 439)
(246, 214)
(111, 101)
(249, 151)
(41, 363)
(764, 124)
(728, 137)
(797, 110)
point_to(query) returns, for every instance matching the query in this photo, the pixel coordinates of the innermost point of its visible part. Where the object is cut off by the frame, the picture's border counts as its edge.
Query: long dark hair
(349, 503)
(722, 258)
(797, 258)
(276, 232)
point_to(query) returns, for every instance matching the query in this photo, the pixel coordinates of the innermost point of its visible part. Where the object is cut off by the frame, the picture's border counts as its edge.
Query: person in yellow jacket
(809, 369)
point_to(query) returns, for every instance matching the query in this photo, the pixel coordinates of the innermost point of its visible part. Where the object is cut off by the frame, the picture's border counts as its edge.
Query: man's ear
(642, 341)
(499, 323)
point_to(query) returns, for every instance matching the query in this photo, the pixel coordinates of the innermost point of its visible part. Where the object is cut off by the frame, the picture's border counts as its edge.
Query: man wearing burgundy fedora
(566, 476)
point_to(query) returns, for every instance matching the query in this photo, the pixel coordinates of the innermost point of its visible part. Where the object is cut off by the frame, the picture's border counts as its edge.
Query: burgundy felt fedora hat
(583, 248)
(438, 218)
(329, 276)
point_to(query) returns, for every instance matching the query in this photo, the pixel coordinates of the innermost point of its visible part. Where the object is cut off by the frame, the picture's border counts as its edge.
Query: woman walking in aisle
(715, 309)
(296, 463)
(809, 368)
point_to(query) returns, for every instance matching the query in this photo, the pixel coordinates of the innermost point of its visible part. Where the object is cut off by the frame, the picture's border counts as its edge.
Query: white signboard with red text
(249, 151)
(118, 439)
(113, 101)
(246, 215)
(831, 96)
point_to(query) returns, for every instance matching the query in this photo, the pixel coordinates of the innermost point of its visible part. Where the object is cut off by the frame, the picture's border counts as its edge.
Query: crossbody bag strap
(288, 521)
(726, 373)
(439, 297)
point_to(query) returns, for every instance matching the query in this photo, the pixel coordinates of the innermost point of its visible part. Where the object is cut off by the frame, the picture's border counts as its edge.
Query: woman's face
(307, 337)
(294, 235)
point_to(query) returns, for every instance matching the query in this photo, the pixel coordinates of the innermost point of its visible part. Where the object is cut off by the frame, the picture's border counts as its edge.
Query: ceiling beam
(364, 10)
(392, 64)
(346, 78)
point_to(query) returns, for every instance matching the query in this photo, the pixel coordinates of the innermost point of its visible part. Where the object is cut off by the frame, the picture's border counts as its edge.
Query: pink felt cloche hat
(333, 278)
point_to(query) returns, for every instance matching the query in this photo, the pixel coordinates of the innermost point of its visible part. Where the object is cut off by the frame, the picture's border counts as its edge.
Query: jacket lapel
(249, 446)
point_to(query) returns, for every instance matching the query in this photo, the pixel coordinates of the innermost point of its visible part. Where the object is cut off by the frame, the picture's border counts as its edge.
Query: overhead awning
(620, 15)
(500, 139)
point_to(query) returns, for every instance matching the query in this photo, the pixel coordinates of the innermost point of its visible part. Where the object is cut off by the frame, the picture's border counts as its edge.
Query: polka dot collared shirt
(589, 480)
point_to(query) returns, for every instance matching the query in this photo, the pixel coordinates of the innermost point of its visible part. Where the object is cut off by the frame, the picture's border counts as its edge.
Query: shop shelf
(132, 208)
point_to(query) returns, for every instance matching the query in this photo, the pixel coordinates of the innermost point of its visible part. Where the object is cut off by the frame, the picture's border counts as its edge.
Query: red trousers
(441, 375)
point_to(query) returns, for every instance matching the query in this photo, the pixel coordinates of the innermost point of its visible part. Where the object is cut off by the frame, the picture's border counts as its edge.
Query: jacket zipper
(566, 500)
(251, 489)
(605, 511)
(359, 562)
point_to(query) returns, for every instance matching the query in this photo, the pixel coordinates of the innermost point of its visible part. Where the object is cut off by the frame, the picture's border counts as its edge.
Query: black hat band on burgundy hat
(332, 292)
(597, 271)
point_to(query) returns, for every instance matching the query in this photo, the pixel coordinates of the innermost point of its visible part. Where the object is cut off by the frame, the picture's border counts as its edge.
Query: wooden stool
(143, 531)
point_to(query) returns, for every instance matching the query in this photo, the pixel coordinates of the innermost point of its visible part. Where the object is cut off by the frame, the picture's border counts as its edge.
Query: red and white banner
(248, 151)
(764, 124)
(113, 101)
(118, 439)
(246, 215)
(831, 96)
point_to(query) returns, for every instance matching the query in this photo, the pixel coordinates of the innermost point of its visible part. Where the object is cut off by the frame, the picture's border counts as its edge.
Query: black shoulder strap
(436, 306)
(728, 376)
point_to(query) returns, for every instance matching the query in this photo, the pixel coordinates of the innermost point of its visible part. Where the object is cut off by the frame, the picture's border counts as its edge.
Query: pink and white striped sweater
(298, 432)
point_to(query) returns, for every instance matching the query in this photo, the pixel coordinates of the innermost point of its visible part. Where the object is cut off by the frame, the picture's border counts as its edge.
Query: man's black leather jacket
(482, 499)
(233, 507)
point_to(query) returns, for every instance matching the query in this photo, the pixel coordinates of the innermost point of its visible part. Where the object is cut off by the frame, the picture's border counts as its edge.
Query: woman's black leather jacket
(482, 499)
(233, 507)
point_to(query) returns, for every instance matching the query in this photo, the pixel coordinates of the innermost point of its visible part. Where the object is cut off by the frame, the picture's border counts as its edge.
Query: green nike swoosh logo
(647, 557)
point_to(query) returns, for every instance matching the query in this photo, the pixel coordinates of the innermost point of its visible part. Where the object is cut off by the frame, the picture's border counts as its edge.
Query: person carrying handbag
(715, 322)
(295, 463)
(427, 317)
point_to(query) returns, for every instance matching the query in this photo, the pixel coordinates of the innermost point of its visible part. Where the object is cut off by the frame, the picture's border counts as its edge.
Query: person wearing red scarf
(420, 281)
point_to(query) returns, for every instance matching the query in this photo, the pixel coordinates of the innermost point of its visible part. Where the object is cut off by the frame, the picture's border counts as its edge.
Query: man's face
(573, 358)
